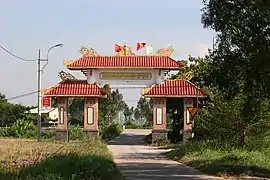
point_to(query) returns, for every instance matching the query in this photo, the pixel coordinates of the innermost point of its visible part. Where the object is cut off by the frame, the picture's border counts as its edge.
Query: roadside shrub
(130, 125)
(216, 160)
(49, 134)
(22, 129)
(76, 132)
(3, 132)
(111, 131)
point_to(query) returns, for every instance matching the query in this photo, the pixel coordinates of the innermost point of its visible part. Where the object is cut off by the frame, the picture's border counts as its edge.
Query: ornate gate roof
(156, 62)
(74, 88)
(173, 88)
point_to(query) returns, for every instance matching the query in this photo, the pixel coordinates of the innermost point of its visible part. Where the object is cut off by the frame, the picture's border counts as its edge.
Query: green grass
(29, 160)
(223, 162)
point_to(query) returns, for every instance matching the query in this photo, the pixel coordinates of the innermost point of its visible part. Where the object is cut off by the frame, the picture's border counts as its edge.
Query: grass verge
(223, 162)
(26, 159)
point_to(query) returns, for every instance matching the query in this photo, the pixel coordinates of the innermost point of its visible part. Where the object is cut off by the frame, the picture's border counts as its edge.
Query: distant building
(51, 113)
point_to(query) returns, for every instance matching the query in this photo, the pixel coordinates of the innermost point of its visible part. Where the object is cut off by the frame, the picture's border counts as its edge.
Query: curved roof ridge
(160, 62)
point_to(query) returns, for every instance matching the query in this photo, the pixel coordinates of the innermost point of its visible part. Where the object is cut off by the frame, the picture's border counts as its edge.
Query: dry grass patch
(28, 159)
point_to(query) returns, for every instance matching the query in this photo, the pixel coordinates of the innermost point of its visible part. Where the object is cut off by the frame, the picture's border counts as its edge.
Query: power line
(22, 95)
(12, 54)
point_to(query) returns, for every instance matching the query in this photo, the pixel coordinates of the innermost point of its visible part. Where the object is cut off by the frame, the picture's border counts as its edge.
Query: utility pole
(39, 98)
(39, 86)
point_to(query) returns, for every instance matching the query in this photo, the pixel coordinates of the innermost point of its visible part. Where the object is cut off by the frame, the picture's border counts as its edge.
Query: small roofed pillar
(159, 132)
(91, 118)
(188, 123)
(62, 128)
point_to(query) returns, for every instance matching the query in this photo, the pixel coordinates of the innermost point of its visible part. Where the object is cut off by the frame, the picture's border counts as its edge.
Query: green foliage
(144, 111)
(109, 108)
(76, 111)
(50, 161)
(128, 113)
(111, 132)
(77, 167)
(3, 132)
(175, 114)
(9, 113)
(49, 134)
(241, 58)
(22, 129)
(132, 125)
(212, 159)
(76, 132)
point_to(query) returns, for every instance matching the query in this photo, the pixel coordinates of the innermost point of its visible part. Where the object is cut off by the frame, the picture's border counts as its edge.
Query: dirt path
(140, 162)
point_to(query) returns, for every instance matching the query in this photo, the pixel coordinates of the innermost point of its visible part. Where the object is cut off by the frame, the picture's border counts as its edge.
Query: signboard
(46, 102)
(193, 111)
(159, 116)
(125, 76)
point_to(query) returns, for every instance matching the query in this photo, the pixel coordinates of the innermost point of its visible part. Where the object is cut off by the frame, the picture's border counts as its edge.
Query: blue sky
(29, 25)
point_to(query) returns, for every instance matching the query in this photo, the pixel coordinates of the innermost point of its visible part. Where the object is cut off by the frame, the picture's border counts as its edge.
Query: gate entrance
(128, 70)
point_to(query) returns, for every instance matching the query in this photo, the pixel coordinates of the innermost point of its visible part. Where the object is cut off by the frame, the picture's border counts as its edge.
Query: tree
(144, 111)
(9, 112)
(199, 73)
(109, 108)
(76, 111)
(128, 113)
(241, 65)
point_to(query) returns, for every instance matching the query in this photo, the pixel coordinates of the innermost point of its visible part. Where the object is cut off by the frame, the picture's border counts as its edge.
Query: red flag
(140, 45)
(117, 48)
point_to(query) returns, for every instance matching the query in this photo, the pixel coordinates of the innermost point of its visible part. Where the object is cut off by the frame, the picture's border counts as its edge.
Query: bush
(72, 166)
(22, 129)
(3, 132)
(48, 134)
(76, 132)
(216, 160)
(131, 125)
(111, 132)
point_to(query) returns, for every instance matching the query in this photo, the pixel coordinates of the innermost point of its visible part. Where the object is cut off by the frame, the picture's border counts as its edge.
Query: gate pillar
(62, 127)
(188, 124)
(91, 118)
(159, 131)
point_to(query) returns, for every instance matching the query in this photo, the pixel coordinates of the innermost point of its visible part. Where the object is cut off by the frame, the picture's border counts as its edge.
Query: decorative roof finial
(87, 52)
(125, 51)
(165, 51)
(66, 76)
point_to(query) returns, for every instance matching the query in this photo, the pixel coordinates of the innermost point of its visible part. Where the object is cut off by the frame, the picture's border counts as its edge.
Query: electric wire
(22, 95)
(33, 92)
(12, 54)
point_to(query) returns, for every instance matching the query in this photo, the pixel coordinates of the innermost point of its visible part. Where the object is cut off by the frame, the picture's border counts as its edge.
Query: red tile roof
(161, 62)
(174, 88)
(75, 88)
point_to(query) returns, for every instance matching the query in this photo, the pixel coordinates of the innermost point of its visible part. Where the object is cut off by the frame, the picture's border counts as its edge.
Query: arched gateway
(146, 72)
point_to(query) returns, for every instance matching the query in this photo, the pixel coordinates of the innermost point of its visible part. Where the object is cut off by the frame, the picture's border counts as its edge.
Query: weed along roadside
(238, 163)
(26, 159)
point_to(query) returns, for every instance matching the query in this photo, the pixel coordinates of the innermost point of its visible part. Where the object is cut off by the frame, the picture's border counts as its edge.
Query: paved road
(140, 162)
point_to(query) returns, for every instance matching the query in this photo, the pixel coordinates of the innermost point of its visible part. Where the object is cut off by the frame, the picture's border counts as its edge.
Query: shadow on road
(128, 139)
(157, 171)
